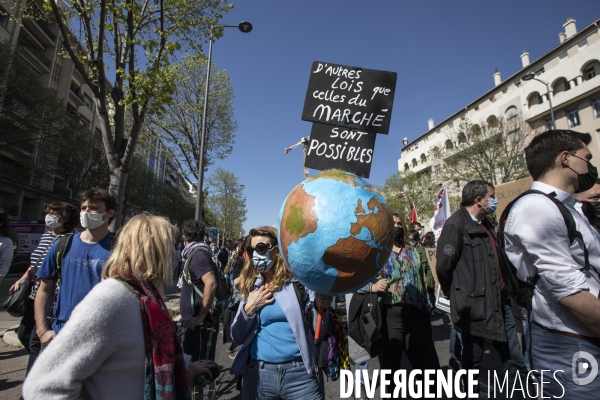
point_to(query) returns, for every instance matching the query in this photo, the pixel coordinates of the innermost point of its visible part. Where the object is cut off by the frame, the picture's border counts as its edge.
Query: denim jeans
(455, 345)
(554, 351)
(526, 338)
(509, 351)
(266, 381)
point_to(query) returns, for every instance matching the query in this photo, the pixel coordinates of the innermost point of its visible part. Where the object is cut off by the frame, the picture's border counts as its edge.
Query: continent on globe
(335, 232)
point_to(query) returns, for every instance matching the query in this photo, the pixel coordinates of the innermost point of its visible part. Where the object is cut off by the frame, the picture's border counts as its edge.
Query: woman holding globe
(406, 307)
(278, 355)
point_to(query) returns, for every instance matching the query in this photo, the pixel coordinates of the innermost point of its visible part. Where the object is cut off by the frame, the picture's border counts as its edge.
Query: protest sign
(507, 192)
(431, 258)
(334, 147)
(353, 97)
(30, 233)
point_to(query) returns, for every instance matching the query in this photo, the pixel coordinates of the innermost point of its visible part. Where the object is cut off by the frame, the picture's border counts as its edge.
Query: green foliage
(180, 125)
(123, 50)
(145, 193)
(226, 200)
(490, 150)
(33, 120)
(403, 189)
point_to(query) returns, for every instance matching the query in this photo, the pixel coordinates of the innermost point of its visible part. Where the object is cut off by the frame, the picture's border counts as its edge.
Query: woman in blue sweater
(278, 355)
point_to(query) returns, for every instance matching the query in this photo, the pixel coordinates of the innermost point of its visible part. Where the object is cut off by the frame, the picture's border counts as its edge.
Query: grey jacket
(244, 328)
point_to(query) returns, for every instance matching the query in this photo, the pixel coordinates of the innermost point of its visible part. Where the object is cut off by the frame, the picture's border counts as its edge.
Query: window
(475, 130)
(583, 44)
(596, 107)
(492, 121)
(590, 73)
(414, 162)
(518, 84)
(423, 158)
(540, 71)
(521, 158)
(462, 138)
(87, 100)
(548, 123)
(71, 109)
(448, 144)
(534, 99)
(4, 17)
(511, 112)
(437, 169)
(406, 166)
(561, 85)
(573, 117)
(562, 57)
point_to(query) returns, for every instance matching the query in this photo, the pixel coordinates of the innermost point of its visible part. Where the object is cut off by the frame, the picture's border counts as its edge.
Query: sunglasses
(261, 248)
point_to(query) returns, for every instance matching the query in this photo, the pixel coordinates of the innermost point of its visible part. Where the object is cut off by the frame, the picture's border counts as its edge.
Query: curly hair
(281, 274)
(65, 211)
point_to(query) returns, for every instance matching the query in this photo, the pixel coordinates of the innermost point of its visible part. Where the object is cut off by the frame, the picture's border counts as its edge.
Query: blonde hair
(143, 251)
(281, 274)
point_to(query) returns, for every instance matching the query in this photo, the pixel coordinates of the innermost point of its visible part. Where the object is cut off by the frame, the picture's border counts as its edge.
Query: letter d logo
(581, 367)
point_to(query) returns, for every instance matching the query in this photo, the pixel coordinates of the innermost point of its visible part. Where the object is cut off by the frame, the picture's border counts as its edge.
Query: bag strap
(61, 249)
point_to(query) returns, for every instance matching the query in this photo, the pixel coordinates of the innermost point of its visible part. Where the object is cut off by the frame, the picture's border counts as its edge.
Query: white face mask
(91, 221)
(52, 221)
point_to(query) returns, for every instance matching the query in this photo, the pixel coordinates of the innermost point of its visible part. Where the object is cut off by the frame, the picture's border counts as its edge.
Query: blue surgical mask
(262, 262)
(492, 204)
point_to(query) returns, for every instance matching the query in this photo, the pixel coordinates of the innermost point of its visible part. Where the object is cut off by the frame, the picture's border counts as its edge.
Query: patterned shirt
(406, 279)
(38, 255)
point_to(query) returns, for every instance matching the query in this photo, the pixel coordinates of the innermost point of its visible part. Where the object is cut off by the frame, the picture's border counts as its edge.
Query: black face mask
(398, 234)
(588, 180)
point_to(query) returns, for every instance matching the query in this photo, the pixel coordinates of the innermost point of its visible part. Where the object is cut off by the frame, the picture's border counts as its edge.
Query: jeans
(363, 366)
(406, 329)
(509, 351)
(35, 346)
(555, 351)
(526, 338)
(455, 345)
(266, 381)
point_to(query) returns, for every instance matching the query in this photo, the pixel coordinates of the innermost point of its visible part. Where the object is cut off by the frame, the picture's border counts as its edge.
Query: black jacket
(467, 272)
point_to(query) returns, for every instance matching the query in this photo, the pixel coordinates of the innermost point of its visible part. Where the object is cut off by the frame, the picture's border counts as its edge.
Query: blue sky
(444, 52)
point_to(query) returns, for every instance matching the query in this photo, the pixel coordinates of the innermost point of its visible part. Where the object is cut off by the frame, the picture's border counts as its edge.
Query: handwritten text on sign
(336, 147)
(348, 96)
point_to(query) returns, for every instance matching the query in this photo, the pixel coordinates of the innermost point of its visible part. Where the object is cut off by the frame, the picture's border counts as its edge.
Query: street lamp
(244, 27)
(530, 76)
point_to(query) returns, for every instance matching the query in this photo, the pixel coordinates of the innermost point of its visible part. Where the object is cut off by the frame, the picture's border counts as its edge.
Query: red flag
(413, 215)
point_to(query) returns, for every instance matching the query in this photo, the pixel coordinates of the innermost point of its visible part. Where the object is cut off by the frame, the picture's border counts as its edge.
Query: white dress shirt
(537, 241)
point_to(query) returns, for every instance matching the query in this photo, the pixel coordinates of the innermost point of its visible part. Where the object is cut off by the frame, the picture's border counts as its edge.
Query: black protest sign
(336, 147)
(357, 98)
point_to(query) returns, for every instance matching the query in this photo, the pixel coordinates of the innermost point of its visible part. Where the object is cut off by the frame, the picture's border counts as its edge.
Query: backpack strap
(187, 274)
(61, 249)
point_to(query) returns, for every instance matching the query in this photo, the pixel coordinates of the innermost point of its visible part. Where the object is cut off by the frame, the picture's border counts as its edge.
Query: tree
(179, 126)
(491, 150)
(123, 52)
(403, 189)
(34, 120)
(227, 202)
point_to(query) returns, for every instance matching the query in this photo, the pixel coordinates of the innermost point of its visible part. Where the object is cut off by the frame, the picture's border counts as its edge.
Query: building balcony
(8, 141)
(38, 26)
(36, 57)
(77, 93)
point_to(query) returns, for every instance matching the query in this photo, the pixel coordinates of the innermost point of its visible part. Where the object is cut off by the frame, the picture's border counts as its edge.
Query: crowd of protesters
(97, 325)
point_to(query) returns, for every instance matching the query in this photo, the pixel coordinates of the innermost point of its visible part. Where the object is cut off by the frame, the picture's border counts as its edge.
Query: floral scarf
(165, 373)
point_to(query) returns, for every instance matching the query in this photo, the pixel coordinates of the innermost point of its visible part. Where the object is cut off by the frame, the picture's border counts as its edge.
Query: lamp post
(530, 76)
(244, 27)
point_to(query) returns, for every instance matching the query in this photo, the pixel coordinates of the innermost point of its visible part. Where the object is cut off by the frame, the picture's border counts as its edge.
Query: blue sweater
(244, 328)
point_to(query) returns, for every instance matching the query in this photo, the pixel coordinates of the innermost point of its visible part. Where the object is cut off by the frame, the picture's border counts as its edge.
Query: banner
(413, 215)
(442, 212)
(29, 233)
(507, 192)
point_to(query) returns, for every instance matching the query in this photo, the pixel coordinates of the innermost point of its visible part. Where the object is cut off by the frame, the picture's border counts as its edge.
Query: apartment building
(38, 41)
(567, 77)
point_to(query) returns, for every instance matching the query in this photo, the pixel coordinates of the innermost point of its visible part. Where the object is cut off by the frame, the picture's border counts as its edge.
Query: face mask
(398, 234)
(492, 204)
(588, 180)
(91, 221)
(420, 232)
(52, 221)
(262, 262)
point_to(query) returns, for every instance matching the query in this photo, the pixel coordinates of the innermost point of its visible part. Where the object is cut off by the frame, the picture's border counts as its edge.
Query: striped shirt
(38, 255)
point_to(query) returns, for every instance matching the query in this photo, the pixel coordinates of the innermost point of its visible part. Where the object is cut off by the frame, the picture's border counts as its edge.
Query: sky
(445, 54)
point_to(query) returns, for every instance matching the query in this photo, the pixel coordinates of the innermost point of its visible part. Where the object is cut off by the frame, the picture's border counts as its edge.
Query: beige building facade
(39, 43)
(572, 71)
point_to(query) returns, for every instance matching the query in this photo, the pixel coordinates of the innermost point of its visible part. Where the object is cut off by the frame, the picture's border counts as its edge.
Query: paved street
(13, 361)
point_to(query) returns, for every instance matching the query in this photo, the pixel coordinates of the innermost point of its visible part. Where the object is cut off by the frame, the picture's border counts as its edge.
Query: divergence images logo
(580, 367)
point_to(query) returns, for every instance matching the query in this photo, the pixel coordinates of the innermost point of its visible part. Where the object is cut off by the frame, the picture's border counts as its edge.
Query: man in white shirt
(565, 304)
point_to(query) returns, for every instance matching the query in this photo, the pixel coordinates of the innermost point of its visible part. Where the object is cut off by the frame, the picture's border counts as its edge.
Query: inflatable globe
(335, 232)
